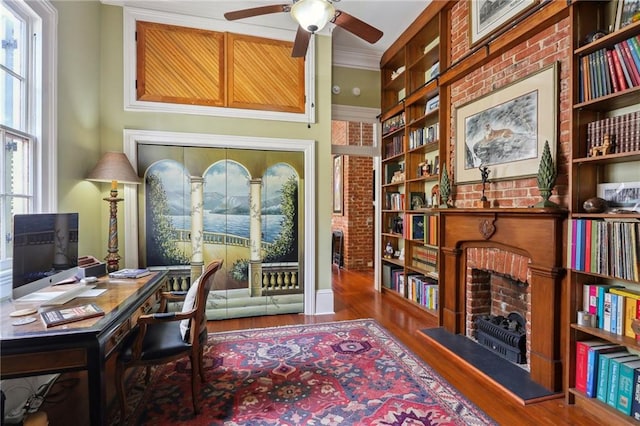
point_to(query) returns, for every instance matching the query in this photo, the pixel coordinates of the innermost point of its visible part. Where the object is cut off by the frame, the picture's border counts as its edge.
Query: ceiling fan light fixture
(312, 15)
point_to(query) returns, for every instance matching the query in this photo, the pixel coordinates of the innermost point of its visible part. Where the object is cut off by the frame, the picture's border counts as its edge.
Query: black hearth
(505, 336)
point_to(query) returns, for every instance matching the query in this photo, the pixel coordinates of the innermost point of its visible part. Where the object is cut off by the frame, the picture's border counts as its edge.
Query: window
(27, 118)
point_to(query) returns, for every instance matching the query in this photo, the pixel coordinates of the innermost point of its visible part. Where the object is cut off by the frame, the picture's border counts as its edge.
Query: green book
(603, 373)
(614, 377)
(625, 386)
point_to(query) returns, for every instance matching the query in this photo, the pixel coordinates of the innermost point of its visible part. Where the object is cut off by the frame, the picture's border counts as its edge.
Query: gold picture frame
(506, 129)
(486, 17)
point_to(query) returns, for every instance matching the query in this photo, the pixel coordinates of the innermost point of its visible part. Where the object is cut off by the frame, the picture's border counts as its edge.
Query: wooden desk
(33, 349)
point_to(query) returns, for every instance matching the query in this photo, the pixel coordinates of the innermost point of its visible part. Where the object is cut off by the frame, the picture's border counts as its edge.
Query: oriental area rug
(336, 373)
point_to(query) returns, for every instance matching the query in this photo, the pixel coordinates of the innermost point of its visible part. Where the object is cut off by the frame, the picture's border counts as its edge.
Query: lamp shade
(114, 166)
(312, 15)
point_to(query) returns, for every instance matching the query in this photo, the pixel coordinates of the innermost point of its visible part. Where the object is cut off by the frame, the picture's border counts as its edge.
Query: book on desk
(66, 315)
(131, 273)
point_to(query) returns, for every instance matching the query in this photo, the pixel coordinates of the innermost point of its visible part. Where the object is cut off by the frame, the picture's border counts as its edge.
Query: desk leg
(97, 387)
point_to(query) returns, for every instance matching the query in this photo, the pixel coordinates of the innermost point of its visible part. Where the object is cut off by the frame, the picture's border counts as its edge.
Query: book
(614, 378)
(131, 273)
(56, 317)
(606, 312)
(625, 386)
(417, 227)
(582, 351)
(635, 403)
(612, 71)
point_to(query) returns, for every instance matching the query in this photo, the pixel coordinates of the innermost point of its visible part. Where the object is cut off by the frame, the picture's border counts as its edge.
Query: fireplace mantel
(534, 233)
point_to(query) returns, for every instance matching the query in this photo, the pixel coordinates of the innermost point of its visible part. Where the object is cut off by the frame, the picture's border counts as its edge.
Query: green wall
(366, 80)
(92, 118)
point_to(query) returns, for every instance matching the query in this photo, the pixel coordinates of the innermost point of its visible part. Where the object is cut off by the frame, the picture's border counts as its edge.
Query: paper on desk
(40, 296)
(92, 292)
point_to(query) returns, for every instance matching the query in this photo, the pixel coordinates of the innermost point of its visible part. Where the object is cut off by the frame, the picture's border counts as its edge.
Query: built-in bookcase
(602, 245)
(411, 161)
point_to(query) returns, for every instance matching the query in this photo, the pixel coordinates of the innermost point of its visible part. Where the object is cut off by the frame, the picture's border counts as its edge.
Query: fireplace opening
(498, 310)
(506, 336)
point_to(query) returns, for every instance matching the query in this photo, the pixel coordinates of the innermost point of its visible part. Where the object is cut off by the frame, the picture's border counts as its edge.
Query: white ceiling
(392, 17)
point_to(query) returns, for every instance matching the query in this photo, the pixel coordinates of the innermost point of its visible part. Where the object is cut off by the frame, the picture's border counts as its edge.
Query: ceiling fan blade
(256, 11)
(356, 26)
(301, 43)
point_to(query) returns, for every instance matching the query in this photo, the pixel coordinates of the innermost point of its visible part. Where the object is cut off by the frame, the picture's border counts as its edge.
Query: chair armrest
(170, 296)
(165, 317)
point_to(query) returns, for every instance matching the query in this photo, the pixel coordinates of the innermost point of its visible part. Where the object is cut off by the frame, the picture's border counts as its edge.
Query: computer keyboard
(68, 295)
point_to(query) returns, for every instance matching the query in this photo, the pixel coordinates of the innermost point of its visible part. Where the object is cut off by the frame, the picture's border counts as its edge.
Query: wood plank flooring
(355, 298)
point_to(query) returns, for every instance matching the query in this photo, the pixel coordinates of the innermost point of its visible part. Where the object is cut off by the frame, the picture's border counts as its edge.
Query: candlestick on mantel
(113, 167)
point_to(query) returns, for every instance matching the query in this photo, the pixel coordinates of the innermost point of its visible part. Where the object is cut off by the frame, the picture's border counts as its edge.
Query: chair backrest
(205, 282)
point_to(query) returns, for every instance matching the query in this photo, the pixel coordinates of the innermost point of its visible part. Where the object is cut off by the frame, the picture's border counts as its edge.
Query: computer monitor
(45, 251)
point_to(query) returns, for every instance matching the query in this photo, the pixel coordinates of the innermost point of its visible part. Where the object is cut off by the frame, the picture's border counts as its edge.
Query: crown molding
(356, 58)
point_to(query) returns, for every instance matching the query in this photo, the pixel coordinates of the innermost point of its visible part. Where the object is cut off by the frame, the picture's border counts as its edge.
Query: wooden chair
(166, 336)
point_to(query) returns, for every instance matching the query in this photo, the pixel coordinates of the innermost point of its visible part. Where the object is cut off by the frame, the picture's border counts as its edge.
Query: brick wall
(357, 218)
(536, 53)
(497, 283)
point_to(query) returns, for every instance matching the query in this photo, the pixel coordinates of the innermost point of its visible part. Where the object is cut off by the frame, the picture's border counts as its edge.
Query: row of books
(609, 373)
(392, 124)
(605, 247)
(394, 201)
(615, 307)
(422, 227)
(394, 147)
(607, 71)
(425, 135)
(423, 290)
(424, 258)
(623, 131)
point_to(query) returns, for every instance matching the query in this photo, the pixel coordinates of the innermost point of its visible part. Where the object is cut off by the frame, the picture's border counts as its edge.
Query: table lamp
(113, 167)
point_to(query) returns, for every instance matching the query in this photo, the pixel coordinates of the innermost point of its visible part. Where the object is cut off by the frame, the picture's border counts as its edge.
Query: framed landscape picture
(487, 16)
(337, 184)
(506, 129)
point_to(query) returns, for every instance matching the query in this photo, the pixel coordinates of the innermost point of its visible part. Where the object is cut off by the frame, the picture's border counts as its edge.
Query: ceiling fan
(312, 16)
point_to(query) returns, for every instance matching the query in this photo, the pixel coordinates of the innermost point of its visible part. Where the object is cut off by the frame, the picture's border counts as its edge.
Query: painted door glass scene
(238, 205)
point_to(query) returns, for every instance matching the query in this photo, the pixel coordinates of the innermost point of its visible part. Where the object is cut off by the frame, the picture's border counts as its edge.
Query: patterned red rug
(337, 373)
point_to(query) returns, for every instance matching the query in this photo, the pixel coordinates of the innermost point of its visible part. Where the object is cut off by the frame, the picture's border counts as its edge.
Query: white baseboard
(324, 302)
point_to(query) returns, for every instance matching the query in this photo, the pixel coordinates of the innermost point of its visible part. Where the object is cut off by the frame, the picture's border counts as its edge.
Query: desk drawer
(116, 336)
(44, 362)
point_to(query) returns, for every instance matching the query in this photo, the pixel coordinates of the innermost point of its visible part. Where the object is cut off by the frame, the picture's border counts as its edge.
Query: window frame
(41, 121)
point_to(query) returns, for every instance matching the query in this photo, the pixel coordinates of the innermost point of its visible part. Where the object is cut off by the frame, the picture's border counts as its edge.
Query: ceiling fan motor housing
(312, 15)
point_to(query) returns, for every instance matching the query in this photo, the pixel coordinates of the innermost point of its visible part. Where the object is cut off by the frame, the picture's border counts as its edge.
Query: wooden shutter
(180, 65)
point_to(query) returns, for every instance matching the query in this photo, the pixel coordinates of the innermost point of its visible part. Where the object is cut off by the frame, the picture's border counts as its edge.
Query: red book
(582, 354)
(631, 64)
(623, 64)
(619, 75)
(612, 71)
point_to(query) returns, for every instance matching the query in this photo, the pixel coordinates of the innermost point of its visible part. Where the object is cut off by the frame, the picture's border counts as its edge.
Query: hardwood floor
(355, 298)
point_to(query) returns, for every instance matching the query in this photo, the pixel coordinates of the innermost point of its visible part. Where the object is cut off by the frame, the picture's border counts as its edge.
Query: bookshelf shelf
(599, 115)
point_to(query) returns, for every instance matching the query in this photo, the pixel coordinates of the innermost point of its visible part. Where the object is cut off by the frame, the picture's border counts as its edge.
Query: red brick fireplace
(497, 283)
(523, 245)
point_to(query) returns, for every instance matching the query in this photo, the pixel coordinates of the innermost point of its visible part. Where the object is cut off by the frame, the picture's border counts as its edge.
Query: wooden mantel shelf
(532, 232)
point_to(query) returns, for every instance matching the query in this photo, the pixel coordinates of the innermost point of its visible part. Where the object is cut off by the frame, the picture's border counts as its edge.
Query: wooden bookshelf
(588, 172)
(410, 90)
